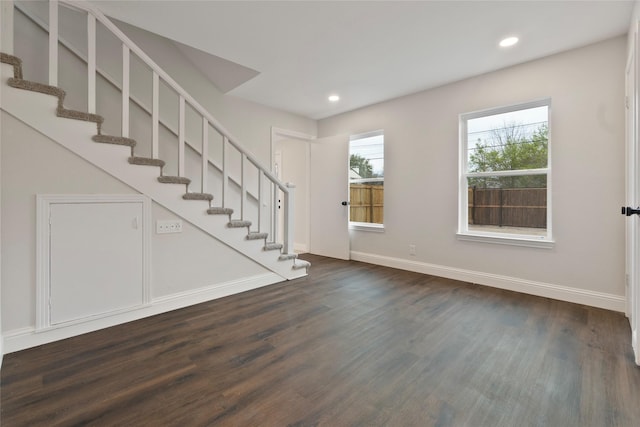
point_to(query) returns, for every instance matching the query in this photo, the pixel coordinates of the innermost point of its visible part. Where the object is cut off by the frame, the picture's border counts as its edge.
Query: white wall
(586, 86)
(33, 164)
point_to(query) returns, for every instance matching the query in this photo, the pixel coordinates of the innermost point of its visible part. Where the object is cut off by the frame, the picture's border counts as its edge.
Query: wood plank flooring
(351, 345)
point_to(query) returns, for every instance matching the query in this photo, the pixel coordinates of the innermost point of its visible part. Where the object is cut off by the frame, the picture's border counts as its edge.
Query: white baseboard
(20, 339)
(547, 290)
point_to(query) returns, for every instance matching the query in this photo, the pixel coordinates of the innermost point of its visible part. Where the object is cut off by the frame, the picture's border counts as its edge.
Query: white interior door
(633, 199)
(329, 185)
(96, 259)
(291, 164)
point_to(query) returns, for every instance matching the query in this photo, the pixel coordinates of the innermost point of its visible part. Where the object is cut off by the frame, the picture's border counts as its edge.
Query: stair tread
(219, 211)
(300, 263)
(285, 257)
(236, 223)
(145, 161)
(80, 115)
(257, 236)
(197, 196)
(273, 246)
(167, 179)
(116, 140)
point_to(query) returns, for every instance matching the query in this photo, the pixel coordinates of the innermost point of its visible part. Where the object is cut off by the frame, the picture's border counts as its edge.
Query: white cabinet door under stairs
(96, 258)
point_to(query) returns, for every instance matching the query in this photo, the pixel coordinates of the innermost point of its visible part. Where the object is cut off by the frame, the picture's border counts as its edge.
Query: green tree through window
(508, 148)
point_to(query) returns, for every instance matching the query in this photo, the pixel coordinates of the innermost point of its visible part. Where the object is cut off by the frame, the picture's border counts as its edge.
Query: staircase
(41, 106)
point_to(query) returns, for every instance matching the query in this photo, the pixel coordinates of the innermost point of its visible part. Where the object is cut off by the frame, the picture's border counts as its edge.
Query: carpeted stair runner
(18, 82)
(236, 223)
(220, 211)
(257, 236)
(198, 196)
(60, 94)
(116, 140)
(174, 180)
(15, 61)
(145, 161)
(271, 246)
(299, 264)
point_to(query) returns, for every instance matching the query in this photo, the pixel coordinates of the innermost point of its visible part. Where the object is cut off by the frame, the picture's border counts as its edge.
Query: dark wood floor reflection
(351, 345)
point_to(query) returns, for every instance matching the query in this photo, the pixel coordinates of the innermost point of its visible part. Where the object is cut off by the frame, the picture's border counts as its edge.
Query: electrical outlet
(412, 250)
(172, 226)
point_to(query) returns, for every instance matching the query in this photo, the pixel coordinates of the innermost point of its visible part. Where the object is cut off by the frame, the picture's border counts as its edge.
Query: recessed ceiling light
(334, 98)
(509, 41)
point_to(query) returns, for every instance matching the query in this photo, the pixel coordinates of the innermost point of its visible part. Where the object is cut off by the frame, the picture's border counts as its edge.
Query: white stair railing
(185, 100)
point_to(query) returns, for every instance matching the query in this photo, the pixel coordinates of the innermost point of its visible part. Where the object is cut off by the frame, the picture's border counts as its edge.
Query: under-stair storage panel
(93, 256)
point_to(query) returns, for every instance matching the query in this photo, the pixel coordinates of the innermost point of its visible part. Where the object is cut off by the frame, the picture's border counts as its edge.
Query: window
(505, 178)
(366, 181)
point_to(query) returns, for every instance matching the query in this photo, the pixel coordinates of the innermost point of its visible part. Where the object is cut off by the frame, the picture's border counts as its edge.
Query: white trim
(126, 76)
(20, 339)
(507, 239)
(6, 41)
(363, 180)
(379, 132)
(506, 108)
(276, 135)
(515, 172)
(91, 64)
(155, 116)
(366, 226)
(181, 135)
(204, 174)
(463, 232)
(547, 290)
(287, 133)
(43, 210)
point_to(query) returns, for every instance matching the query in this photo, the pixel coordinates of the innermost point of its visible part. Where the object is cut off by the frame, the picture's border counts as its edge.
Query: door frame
(632, 190)
(43, 252)
(279, 134)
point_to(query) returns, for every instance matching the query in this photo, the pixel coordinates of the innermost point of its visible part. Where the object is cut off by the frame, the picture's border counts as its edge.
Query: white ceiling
(367, 52)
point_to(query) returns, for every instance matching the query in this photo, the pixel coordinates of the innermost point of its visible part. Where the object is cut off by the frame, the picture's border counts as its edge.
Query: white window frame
(366, 226)
(464, 233)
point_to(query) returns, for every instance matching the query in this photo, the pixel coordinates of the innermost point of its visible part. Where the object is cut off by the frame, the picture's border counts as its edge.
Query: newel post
(289, 202)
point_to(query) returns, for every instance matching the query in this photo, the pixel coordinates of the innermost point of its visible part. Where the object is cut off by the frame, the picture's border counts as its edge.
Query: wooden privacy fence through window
(511, 207)
(367, 203)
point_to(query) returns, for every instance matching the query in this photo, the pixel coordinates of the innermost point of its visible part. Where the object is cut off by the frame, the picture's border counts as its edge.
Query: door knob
(628, 211)
(345, 203)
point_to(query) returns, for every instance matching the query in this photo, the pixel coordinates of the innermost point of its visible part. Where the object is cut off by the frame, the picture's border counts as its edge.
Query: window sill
(513, 240)
(366, 226)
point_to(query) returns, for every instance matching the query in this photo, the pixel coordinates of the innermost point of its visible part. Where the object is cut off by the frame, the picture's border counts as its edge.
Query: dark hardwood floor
(351, 345)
